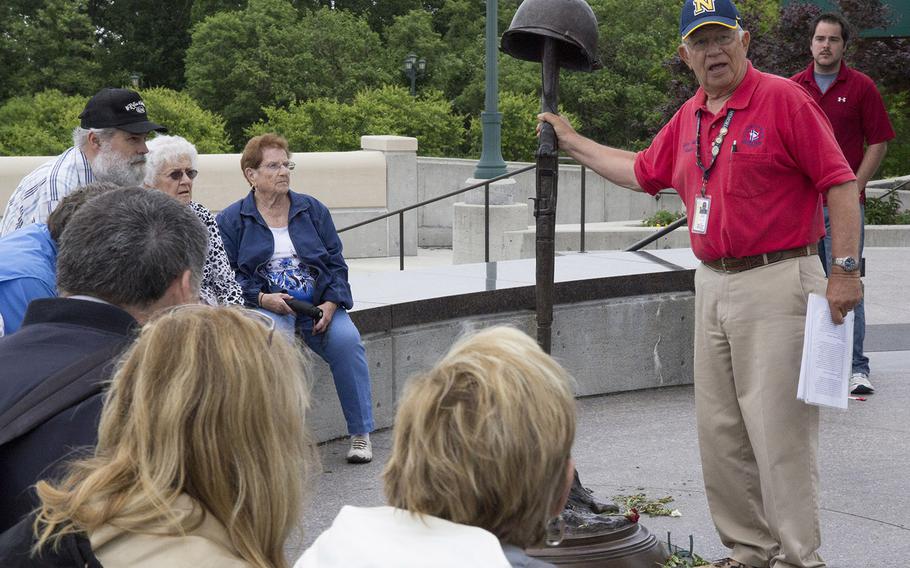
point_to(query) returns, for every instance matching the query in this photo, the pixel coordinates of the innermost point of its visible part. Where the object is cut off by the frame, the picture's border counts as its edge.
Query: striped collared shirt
(40, 191)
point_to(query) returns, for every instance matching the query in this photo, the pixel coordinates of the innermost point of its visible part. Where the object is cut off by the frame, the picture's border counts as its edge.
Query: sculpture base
(629, 546)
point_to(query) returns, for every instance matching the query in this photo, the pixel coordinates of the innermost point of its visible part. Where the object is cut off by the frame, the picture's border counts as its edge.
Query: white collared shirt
(40, 191)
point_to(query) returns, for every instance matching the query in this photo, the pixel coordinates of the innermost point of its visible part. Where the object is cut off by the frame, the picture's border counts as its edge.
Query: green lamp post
(491, 163)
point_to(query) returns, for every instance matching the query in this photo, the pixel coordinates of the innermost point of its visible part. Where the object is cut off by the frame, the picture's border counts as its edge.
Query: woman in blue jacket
(283, 245)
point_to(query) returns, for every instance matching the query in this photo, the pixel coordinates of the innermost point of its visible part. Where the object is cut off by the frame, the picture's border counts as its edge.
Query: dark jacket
(249, 244)
(75, 550)
(62, 408)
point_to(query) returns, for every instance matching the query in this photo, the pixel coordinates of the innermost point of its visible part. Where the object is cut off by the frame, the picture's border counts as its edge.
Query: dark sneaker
(859, 384)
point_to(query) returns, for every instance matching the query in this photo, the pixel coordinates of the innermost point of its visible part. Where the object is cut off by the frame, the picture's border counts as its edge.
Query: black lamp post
(412, 68)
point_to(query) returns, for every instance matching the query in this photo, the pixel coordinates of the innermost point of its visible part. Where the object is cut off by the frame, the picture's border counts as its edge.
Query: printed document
(827, 357)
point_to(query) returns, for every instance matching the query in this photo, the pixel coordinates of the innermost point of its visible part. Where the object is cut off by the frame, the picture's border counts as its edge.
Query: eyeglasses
(276, 166)
(177, 175)
(702, 43)
(254, 315)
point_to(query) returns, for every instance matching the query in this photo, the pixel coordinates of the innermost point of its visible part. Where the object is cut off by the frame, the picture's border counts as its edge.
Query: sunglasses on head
(177, 175)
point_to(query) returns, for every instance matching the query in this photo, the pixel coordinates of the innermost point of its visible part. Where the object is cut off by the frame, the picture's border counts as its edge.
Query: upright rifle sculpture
(563, 34)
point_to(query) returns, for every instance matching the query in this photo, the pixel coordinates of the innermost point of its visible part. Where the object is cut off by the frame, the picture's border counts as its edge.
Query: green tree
(620, 104)
(378, 13)
(184, 117)
(145, 37)
(414, 33)
(897, 160)
(268, 55)
(318, 125)
(46, 45)
(342, 56)
(40, 124)
(519, 121)
(430, 118)
(324, 125)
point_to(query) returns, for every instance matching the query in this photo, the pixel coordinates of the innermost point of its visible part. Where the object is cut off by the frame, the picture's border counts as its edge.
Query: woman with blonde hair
(481, 461)
(202, 454)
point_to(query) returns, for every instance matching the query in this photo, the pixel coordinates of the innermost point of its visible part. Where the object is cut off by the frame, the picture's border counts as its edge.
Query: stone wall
(608, 345)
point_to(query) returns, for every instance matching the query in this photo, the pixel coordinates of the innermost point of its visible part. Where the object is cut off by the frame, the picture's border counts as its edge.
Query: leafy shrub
(662, 218)
(886, 210)
(184, 117)
(323, 125)
(897, 160)
(519, 124)
(40, 124)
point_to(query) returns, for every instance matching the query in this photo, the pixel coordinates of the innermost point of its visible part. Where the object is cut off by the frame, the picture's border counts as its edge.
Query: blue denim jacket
(249, 244)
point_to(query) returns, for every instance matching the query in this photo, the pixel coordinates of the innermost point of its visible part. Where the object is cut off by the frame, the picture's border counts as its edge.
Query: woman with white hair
(171, 168)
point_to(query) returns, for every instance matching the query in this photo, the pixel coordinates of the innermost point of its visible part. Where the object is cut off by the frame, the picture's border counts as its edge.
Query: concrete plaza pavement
(645, 442)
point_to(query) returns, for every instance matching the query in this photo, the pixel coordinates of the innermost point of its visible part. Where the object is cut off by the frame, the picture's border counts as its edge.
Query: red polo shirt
(855, 109)
(765, 196)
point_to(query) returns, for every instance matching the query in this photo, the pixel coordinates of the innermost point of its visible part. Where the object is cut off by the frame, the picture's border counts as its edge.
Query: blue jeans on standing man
(860, 361)
(341, 347)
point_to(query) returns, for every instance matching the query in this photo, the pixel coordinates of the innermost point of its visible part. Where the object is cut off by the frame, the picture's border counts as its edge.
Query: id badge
(702, 210)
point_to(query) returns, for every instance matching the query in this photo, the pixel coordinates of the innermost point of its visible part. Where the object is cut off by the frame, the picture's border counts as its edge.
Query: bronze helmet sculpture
(571, 22)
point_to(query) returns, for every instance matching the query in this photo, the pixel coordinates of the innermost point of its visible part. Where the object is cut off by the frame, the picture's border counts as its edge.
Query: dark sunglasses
(177, 175)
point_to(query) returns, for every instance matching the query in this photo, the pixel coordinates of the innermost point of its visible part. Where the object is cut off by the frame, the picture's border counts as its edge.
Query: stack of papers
(827, 357)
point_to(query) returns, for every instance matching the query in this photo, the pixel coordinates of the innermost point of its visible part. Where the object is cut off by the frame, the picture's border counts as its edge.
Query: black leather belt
(749, 262)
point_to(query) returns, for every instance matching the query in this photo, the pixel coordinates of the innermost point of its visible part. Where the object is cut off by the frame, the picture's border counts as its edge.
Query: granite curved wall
(622, 321)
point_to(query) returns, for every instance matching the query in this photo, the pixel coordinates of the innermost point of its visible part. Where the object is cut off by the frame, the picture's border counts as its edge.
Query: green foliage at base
(685, 561)
(662, 218)
(324, 125)
(886, 210)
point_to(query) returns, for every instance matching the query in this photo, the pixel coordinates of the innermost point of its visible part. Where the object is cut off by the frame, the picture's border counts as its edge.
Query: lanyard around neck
(715, 147)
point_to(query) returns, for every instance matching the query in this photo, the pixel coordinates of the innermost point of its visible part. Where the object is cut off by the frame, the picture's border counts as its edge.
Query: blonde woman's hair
(204, 405)
(484, 438)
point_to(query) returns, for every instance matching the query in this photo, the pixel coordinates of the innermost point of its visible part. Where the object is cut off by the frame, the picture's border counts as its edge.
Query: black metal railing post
(486, 222)
(581, 234)
(401, 240)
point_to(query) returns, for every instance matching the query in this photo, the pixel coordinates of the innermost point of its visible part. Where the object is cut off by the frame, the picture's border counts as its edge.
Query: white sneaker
(859, 384)
(361, 449)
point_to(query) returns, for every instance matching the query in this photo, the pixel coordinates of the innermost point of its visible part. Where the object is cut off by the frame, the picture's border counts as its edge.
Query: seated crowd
(153, 403)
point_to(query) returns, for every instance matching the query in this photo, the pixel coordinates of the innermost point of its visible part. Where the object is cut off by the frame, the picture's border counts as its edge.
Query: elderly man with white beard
(108, 145)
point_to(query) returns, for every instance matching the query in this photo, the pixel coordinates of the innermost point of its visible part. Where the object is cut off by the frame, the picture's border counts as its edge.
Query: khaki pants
(758, 443)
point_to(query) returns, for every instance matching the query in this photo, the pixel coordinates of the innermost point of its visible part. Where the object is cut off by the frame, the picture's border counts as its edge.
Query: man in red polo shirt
(750, 155)
(862, 129)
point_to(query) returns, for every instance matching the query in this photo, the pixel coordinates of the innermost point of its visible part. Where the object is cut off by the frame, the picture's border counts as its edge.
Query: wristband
(259, 300)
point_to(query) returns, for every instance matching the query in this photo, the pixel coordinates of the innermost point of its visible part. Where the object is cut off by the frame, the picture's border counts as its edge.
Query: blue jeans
(860, 361)
(341, 347)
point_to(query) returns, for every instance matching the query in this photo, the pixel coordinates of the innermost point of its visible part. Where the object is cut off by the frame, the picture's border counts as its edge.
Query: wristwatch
(848, 263)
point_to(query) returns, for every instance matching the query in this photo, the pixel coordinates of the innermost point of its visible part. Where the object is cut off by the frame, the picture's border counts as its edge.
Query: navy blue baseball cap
(698, 13)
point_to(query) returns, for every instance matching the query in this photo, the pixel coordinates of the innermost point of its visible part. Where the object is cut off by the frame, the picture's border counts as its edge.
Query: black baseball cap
(118, 108)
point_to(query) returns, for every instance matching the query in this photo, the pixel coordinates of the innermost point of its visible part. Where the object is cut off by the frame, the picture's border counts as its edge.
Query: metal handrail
(651, 238)
(486, 221)
(486, 207)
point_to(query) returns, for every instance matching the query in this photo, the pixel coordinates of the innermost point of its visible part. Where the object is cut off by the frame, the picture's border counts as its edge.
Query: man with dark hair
(862, 129)
(750, 156)
(28, 257)
(108, 145)
(124, 256)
